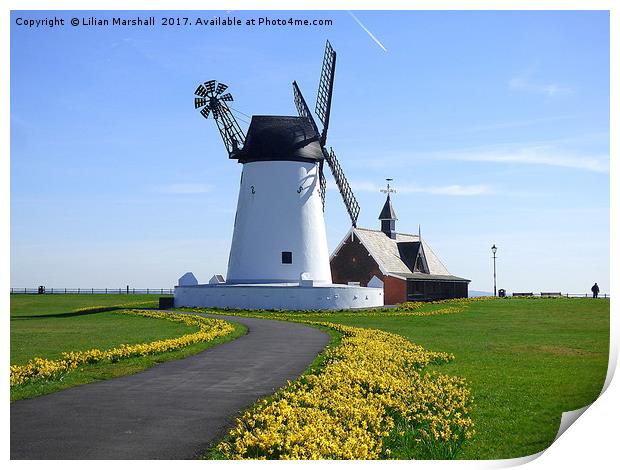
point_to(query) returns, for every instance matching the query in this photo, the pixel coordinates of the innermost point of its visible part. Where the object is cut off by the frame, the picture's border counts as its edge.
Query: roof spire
(419, 232)
(388, 214)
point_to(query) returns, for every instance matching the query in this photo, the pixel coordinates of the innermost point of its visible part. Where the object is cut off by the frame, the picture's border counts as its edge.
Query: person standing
(595, 290)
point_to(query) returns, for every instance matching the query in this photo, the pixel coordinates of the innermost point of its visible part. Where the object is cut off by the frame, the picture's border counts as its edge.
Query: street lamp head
(494, 249)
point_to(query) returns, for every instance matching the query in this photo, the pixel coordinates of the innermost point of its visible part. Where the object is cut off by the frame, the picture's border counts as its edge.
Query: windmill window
(287, 257)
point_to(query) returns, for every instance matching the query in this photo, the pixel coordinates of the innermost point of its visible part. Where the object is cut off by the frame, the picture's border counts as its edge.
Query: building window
(287, 257)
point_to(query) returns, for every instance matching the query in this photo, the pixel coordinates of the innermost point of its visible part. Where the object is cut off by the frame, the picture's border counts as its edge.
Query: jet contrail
(366, 29)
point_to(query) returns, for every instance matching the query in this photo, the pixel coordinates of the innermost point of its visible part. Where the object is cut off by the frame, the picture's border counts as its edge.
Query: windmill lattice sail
(353, 207)
(302, 107)
(229, 128)
(326, 87)
(304, 111)
(322, 109)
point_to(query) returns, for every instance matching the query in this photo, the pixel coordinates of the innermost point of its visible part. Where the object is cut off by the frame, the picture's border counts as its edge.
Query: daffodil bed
(46, 369)
(562, 345)
(371, 399)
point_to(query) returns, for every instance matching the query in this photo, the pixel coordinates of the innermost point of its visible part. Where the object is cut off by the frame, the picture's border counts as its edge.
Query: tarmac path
(171, 411)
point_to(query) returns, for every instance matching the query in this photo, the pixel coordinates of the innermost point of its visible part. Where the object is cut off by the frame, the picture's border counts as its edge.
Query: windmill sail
(229, 128)
(326, 87)
(322, 109)
(322, 184)
(353, 208)
(304, 111)
(302, 106)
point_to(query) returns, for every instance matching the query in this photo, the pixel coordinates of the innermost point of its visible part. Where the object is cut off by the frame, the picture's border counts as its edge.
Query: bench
(522, 294)
(551, 294)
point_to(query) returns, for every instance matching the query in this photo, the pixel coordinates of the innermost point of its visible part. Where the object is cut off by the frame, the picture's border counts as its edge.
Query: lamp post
(494, 250)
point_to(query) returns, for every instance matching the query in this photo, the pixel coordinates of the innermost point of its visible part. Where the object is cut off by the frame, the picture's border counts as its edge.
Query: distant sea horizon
(479, 293)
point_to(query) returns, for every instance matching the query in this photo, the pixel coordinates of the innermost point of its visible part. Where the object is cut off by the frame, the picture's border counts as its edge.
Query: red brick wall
(394, 290)
(353, 264)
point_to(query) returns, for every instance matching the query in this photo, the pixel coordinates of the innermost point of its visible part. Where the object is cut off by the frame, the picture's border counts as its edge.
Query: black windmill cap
(270, 138)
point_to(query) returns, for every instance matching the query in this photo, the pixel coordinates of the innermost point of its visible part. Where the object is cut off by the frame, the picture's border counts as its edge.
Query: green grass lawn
(527, 361)
(37, 305)
(52, 304)
(47, 325)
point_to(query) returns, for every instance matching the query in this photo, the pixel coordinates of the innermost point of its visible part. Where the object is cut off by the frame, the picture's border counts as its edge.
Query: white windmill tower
(279, 238)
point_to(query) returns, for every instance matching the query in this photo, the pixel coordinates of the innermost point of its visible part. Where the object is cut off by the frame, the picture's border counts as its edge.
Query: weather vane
(389, 189)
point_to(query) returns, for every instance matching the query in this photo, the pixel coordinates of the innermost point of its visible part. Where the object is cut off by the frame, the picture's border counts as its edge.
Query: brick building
(408, 267)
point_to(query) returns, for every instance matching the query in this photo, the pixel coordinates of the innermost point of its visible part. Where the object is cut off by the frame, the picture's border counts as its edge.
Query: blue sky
(494, 126)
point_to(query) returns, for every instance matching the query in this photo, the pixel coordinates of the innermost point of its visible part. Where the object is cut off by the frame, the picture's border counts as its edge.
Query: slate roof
(385, 252)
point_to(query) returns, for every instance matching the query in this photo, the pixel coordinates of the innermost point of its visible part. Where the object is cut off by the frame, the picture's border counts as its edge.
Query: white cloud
(541, 155)
(524, 83)
(185, 188)
(552, 153)
(453, 190)
(514, 124)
